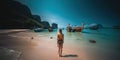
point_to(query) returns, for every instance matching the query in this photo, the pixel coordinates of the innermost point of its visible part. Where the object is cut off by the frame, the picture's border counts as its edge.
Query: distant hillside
(14, 14)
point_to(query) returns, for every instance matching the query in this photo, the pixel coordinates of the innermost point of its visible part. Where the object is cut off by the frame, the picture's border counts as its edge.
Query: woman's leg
(58, 49)
(61, 49)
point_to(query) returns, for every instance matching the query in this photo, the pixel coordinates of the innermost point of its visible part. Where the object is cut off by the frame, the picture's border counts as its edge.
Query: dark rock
(46, 24)
(54, 26)
(51, 37)
(36, 17)
(92, 41)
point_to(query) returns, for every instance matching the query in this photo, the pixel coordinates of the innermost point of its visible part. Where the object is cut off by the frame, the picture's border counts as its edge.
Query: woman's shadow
(70, 55)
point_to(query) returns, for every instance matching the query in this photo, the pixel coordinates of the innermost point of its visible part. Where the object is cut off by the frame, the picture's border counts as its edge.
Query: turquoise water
(107, 46)
(103, 37)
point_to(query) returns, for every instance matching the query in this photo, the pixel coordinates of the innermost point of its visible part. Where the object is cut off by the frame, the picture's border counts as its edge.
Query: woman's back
(60, 36)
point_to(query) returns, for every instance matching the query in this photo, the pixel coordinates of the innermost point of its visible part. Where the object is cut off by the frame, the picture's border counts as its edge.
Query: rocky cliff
(14, 14)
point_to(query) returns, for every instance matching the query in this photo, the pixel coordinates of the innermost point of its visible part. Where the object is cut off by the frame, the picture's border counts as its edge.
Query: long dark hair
(60, 31)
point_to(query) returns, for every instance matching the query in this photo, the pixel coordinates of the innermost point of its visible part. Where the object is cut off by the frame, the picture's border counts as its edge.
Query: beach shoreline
(30, 44)
(39, 46)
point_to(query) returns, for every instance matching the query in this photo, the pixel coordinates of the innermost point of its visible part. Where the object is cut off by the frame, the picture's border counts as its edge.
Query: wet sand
(36, 48)
(41, 47)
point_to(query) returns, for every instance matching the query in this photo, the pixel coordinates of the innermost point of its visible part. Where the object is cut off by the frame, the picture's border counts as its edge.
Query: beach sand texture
(39, 46)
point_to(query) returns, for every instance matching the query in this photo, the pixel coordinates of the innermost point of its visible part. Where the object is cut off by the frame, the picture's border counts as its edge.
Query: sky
(63, 12)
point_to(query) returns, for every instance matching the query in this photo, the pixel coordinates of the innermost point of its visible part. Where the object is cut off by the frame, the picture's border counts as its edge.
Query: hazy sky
(62, 12)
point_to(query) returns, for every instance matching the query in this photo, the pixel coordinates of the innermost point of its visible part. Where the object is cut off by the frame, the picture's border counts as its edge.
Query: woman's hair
(60, 30)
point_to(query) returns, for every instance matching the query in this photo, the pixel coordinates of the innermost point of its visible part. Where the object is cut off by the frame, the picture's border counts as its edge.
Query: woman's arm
(63, 38)
(57, 37)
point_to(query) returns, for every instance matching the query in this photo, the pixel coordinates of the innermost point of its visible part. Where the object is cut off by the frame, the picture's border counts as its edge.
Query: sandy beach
(37, 48)
(41, 47)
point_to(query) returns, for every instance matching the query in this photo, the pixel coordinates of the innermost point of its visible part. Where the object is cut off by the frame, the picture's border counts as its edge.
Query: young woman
(60, 41)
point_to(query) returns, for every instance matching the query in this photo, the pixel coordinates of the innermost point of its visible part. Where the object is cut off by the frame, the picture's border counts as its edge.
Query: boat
(95, 26)
(77, 29)
(50, 29)
(116, 27)
(38, 29)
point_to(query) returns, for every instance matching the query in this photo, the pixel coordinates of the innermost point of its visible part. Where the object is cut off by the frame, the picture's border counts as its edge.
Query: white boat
(38, 29)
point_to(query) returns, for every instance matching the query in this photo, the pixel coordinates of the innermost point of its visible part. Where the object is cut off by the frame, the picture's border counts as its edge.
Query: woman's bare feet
(60, 55)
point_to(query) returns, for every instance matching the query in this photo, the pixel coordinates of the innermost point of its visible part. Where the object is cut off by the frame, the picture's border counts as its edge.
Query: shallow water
(107, 46)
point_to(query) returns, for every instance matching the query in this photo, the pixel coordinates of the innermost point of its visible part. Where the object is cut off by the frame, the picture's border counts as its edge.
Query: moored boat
(38, 29)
